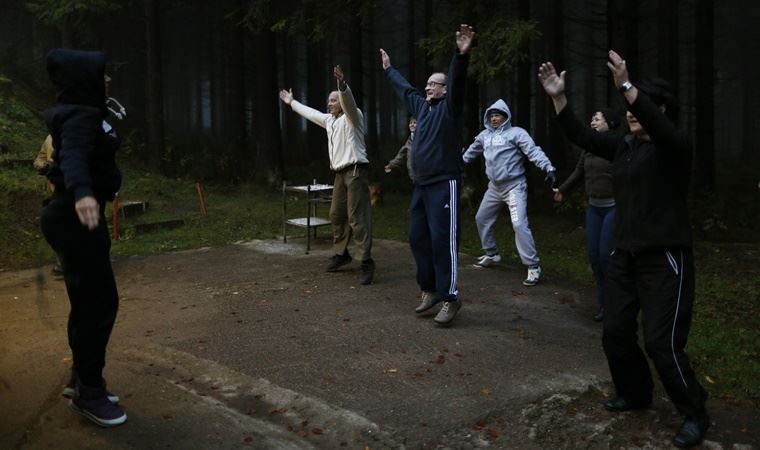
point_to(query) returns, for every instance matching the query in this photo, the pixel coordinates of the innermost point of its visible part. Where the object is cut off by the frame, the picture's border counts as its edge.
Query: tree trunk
(704, 102)
(411, 42)
(622, 33)
(266, 110)
(316, 97)
(371, 99)
(525, 78)
(235, 97)
(547, 132)
(667, 42)
(154, 114)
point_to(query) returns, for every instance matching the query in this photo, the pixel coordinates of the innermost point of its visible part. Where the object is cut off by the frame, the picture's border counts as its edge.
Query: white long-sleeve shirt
(345, 133)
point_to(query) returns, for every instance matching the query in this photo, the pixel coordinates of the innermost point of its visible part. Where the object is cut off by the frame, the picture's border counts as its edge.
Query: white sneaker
(534, 273)
(487, 261)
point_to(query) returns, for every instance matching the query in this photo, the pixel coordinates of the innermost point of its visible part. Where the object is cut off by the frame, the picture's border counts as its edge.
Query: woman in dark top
(85, 177)
(652, 267)
(600, 214)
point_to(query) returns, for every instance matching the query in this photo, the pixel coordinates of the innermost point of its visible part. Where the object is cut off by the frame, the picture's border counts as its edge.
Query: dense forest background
(200, 79)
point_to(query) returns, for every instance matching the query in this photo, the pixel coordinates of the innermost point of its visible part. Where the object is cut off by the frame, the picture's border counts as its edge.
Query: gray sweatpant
(515, 195)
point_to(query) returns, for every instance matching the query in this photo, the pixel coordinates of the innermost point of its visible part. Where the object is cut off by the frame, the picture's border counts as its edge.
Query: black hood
(78, 76)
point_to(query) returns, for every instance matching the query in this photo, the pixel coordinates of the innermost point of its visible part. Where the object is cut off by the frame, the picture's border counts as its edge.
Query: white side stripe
(453, 208)
(672, 262)
(675, 319)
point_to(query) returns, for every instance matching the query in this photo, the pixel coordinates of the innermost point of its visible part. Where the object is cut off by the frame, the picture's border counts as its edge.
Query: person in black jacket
(437, 172)
(85, 177)
(652, 267)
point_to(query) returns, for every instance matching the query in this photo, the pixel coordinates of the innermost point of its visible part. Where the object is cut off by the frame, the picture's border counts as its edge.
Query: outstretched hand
(286, 96)
(338, 73)
(385, 59)
(553, 84)
(464, 38)
(618, 68)
(551, 178)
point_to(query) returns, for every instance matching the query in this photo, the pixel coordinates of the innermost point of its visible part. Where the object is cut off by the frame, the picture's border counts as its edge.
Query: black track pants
(660, 284)
(90, 284)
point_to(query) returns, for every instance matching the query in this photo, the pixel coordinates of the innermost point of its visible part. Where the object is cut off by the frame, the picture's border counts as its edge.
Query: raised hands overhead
(465, 36)
(618, 68)
(553, 84)
(286, 96)
(338, 73)
(385, 59)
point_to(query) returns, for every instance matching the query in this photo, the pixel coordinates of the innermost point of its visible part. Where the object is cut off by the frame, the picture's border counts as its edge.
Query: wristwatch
(625, 87)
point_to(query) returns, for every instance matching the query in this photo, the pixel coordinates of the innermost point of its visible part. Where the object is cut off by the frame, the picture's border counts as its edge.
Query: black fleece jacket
(650, 178)
(437, 148)
(84, 152)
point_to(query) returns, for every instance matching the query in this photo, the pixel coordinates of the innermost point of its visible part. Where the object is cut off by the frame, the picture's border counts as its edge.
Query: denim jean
(599, 243)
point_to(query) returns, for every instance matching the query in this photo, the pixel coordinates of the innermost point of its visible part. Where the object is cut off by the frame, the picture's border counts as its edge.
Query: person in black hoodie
(436, 165)
(86, 178)
(652, 267)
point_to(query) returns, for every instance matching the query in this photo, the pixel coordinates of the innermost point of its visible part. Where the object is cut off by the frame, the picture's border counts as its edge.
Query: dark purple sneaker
(71, 388)
(93, 404)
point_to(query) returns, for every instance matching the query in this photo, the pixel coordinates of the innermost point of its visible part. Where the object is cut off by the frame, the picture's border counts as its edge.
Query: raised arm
(553, 84)
(458, 69)
(602, 144)
(655, 122)
(304, 111)
(347, 101)
(405, 91)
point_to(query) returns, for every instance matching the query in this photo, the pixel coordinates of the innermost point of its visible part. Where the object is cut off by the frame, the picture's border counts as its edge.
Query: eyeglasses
(433, 83)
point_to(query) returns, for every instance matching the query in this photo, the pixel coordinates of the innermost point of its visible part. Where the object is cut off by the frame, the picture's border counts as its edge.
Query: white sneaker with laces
(487, 260)
(534, 273)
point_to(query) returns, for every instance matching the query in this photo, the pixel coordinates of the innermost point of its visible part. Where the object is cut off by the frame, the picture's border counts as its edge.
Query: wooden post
(198, 188)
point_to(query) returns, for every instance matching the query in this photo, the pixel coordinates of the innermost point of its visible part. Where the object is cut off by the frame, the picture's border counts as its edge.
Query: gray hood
(501, 106)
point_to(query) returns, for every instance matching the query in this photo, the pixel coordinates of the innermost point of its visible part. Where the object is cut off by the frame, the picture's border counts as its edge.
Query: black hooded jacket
(650, 178)
(84, 152)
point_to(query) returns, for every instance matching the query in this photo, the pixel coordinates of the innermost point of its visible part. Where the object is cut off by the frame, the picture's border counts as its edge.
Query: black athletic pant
(434, 237)
(90, 283)
(659, 283)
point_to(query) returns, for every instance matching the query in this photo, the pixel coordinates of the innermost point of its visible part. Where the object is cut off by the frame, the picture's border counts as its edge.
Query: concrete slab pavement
(254, 346)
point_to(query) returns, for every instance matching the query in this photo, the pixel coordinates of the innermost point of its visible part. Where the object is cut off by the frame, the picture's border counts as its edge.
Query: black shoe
(599, 316)
(368, 271)
(338, 261)
(620, 404)
(692, 431)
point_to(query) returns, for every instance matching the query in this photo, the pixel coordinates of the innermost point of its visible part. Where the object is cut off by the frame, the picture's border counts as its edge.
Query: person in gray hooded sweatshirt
(505, 148)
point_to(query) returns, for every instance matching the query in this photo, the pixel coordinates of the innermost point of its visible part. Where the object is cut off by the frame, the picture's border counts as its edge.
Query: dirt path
(255, 346)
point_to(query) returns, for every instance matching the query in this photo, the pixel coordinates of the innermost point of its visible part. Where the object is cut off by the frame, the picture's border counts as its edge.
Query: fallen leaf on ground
(485, 392)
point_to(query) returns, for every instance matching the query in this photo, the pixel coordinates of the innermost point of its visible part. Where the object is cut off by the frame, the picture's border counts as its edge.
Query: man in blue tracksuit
(437, 166)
